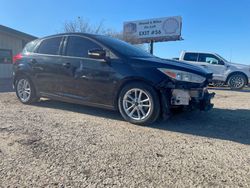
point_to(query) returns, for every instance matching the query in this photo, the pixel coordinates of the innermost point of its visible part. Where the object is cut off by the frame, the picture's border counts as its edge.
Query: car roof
(72, 33)
(198, 52)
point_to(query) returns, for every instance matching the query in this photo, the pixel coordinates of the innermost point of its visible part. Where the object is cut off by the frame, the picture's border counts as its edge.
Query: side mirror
(97, 54)
(221, 62)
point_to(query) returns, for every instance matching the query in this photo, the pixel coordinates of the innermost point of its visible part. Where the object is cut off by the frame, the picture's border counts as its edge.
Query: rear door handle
(204, 66)
(33, 61)
(66, 65)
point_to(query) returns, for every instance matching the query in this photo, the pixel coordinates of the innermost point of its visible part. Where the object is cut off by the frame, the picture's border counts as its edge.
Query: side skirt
(58, 97)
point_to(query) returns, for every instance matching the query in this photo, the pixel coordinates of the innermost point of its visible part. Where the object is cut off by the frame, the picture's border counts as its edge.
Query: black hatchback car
(101, 71)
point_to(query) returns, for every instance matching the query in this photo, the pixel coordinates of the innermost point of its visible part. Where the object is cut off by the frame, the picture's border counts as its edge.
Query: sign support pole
(152, 47)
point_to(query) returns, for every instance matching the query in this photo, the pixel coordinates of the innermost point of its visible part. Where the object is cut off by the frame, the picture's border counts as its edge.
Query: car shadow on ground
(80, 109)
(224, 124)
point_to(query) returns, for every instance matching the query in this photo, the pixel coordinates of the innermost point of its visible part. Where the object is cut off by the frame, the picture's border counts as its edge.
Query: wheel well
(129, 82)
(19, 74)
(233, 73)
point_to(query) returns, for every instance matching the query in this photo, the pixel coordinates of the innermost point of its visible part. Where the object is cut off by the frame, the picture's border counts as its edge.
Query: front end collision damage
(187, 98)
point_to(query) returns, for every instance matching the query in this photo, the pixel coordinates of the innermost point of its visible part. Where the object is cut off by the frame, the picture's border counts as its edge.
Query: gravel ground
(54, 144)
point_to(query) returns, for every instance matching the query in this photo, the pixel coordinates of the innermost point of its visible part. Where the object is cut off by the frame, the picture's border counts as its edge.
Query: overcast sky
(220, 26)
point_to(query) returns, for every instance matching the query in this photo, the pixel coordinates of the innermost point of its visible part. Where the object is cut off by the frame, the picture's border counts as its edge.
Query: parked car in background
(236, 76)
(105, 72)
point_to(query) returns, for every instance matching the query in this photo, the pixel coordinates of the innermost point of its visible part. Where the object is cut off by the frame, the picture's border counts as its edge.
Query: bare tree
(83, 26)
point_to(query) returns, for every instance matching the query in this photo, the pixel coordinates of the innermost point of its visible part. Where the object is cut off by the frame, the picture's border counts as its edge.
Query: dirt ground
(54, 144)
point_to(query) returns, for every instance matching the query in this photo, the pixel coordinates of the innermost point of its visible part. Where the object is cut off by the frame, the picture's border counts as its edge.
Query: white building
(11, 43)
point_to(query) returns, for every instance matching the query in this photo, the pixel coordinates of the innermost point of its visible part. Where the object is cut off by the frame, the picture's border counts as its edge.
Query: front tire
(139, 103)
(237, 81)
(25, 90)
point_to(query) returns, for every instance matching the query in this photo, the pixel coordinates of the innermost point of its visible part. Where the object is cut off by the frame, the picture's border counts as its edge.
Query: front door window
(209, 58)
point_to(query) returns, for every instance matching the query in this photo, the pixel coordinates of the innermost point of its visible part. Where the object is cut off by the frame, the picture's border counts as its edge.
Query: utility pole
(151, 47)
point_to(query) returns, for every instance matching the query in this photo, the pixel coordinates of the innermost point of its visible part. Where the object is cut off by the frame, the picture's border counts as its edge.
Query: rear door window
(79, 46)
(50, 46)
(190, 57)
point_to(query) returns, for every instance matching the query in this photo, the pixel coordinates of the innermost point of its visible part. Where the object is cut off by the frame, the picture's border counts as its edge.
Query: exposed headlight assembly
(182, 75)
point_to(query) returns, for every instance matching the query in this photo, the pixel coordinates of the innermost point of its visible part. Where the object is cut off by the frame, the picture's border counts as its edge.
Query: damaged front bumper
(193, 98)
(190, 99)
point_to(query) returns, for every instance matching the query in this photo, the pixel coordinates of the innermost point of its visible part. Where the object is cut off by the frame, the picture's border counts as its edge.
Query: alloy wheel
(237, 81)
(24, 90)
(137, 104)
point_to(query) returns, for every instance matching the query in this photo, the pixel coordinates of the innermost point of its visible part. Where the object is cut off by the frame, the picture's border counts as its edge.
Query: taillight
(17, 57)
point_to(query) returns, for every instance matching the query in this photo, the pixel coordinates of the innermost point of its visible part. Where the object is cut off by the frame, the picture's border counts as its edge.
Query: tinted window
(5, 56)
(209, 58)
(79, 46)
(50, 46)
(190, 57)
(30, 46)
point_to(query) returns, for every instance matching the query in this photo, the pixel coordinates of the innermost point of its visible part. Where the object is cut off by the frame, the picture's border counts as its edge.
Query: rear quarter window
(30, 47)
(190, 57)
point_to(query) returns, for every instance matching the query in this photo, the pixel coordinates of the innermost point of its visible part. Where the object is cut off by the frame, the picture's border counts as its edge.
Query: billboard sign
(157, 30)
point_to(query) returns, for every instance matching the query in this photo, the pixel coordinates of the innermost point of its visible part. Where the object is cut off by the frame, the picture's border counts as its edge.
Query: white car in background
(236, 76)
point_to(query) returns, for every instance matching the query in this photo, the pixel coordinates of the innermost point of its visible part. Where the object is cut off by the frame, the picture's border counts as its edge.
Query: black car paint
(97, 82)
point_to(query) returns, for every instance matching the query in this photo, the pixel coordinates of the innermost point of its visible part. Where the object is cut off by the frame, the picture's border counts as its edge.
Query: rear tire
(25, 90)
(139, 103)
(237, 81)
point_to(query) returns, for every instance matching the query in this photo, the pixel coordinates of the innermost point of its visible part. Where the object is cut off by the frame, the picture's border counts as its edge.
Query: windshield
(223, 59)
(122, 47)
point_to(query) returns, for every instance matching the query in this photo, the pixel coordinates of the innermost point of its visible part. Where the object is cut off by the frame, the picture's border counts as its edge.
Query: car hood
(174, 64)
(239, 66)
